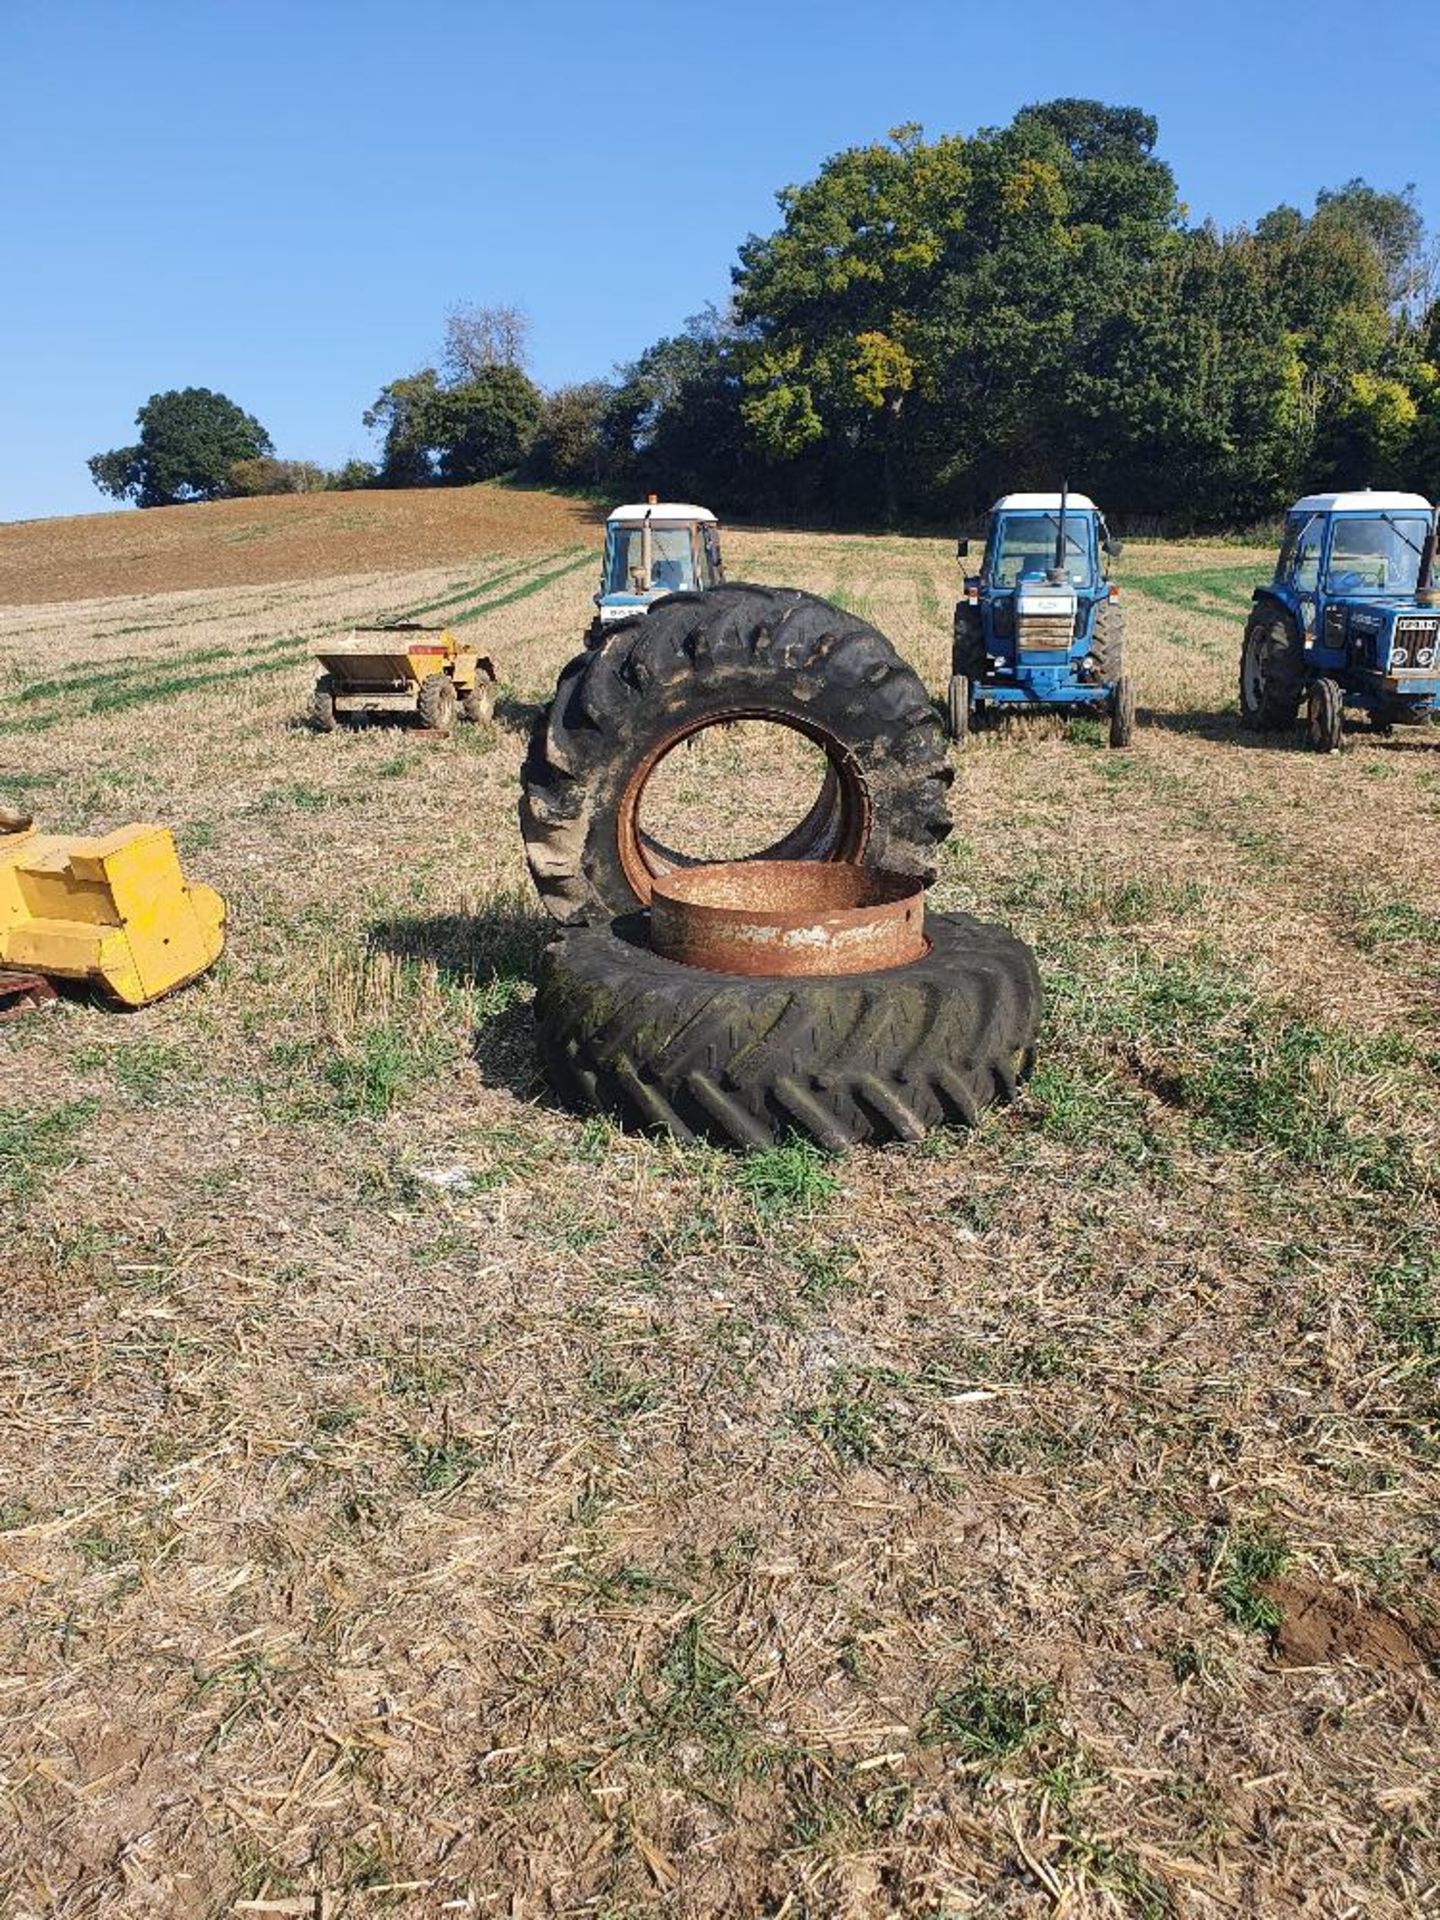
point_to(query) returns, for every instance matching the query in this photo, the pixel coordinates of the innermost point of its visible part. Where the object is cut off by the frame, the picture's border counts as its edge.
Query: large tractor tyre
(699, 659)
(968, 654)
(1324, 715)
(436, 703)
(1107, 641)
(747, 1061)
(322, 715)
(1272, 672)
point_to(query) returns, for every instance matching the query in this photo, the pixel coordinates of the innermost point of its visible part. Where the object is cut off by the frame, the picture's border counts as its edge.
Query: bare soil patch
(295, 537)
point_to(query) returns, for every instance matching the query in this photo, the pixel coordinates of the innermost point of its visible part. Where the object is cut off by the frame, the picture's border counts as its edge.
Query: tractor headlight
(1399, 656)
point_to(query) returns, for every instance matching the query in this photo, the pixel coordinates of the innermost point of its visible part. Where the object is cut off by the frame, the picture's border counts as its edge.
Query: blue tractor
(1040, 628)
(1351, 619)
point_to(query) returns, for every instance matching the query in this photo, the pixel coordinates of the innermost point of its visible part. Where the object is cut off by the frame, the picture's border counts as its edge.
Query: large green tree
(455, 432)
(190, 438)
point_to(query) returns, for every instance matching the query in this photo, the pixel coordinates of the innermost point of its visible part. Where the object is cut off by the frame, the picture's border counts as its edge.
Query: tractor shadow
(492, 956)
(1225, 730)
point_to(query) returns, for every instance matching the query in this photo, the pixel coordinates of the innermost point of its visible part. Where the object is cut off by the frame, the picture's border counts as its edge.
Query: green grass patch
(33, 1145)
(986, 1721)
(793, 1178)
(1220, 592)
(1248, 1558)
(523, 592)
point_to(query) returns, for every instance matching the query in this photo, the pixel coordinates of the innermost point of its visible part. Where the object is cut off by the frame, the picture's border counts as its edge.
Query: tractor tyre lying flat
(747, 1061)
(696, 660)
(1272, 672)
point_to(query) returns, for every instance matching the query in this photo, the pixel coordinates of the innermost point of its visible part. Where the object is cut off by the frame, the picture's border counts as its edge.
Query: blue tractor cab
(1040, 627)
(651, 549)
(1351, 618)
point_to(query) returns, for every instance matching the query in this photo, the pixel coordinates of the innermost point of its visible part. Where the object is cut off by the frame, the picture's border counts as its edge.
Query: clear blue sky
(282, 200)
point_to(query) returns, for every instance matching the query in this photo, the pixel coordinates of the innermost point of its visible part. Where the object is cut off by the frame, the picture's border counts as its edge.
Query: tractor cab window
(714, 572)
(1306, 576)
(1026, 544)
(1379, 553)
(671, 565)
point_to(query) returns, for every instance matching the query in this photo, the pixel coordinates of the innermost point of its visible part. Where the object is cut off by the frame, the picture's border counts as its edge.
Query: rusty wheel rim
(836, 826)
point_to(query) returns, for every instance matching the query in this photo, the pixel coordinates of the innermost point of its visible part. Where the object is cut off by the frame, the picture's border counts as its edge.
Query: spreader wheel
(322, 705)
(1324, 712)
(437, 704)
(479, 702)
(1122, 712)
(957, 709)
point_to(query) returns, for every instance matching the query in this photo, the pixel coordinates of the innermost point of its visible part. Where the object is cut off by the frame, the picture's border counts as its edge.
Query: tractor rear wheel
(1107, 641)
(746, 1060)
(1122, 712)
(957, 709)
(701, 660)
(1324, 715)
(1272, 672)
(322, 705)
(968, 655)
(437, 704)
(479, 702)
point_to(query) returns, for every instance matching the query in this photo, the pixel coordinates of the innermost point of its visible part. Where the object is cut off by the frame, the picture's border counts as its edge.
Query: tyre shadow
(515, 715)
(493, 954)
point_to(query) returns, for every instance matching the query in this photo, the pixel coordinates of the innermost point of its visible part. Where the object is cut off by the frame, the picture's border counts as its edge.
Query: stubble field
(416, 1499)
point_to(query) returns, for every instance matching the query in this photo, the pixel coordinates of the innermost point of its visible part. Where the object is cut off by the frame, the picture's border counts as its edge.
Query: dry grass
(417, 1500)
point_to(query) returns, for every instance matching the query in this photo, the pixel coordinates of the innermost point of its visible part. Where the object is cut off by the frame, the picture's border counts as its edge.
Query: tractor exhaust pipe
(1426, 592)
(1058, 572)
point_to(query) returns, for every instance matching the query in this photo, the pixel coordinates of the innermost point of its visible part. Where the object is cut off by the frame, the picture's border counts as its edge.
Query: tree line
(934, 321)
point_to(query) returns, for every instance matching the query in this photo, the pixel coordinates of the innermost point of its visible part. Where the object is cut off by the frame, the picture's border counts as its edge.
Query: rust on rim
(23, 993)
(772, 917)
(837, 826)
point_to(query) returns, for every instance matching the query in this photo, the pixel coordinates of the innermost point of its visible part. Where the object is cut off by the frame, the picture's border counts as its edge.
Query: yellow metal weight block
(116, 912)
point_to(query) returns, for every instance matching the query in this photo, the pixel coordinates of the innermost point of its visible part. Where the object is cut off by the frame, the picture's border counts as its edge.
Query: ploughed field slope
(288, 537)
(414, 1498)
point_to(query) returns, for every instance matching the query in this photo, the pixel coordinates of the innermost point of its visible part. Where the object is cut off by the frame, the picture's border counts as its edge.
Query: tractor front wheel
(1324, 711)
(1272, 672)
(957, 709)
(1122, 712)
(322, 705)
(437, 704)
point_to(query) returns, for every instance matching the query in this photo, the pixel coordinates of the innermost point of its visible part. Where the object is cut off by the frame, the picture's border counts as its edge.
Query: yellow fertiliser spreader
(114, 913)
(407, 669)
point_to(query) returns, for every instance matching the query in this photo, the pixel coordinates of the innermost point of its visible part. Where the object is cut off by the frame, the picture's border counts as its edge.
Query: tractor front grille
(1416, 644)
(1044, 632)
